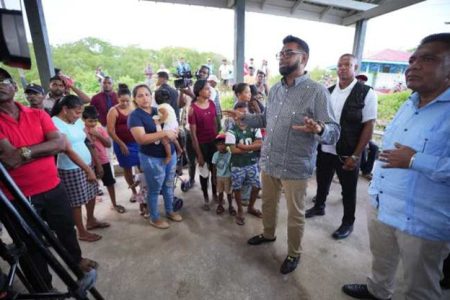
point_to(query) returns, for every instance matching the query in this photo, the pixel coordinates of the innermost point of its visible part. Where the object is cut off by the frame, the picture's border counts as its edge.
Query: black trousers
(446, 268)
(368, 157)
(208, 151)
(54, 208)
(327, 165)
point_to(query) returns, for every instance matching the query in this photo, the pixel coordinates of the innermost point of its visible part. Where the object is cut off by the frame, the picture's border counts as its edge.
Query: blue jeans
(160, 178)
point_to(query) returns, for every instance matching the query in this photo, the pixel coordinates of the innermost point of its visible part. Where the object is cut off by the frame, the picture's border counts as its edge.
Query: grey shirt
(287, 153)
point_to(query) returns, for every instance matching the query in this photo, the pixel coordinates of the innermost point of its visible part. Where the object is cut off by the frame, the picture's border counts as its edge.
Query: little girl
(141, 196)
(166, 115)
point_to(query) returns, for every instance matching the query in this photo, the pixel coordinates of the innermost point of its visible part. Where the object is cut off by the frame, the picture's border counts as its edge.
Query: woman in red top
(125, 147)
(202, 122)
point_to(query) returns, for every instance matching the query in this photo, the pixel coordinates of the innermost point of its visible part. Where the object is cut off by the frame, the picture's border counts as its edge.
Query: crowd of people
(272, 141)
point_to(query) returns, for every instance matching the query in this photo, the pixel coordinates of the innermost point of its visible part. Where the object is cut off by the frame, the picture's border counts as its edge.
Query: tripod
(27, 230)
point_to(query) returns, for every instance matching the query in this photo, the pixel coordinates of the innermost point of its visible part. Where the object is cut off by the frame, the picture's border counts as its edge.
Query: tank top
(122, 130)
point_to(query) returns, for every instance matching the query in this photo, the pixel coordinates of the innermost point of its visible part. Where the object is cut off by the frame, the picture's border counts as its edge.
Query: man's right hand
(236, 115)
(10, 156)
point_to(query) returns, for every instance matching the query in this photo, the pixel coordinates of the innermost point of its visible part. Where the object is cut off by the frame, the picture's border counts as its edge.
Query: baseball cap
(34, 88)
(220, 137)
(213, 78)
(361, 77)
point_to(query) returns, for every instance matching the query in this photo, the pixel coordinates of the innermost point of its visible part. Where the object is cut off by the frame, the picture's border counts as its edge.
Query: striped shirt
(287, 153)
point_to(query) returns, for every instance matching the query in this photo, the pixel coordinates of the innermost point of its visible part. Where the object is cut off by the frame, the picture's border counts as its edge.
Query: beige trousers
(422, 261)
(295, 192)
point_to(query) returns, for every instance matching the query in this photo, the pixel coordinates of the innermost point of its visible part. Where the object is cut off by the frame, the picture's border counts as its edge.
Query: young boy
(222, 173)
(243, 143)
(100, 140)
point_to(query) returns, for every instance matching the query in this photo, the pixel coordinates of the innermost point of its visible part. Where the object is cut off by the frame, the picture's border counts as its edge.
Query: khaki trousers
(422, 261)
(295, 192)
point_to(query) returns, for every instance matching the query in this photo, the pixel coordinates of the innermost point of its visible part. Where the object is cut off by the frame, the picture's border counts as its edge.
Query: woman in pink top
(202, 122)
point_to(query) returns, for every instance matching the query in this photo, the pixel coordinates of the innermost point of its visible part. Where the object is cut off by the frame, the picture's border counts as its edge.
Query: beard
(286, 70)
(57, 92)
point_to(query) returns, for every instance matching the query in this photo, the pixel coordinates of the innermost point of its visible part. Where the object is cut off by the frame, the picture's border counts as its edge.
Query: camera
(183, 80)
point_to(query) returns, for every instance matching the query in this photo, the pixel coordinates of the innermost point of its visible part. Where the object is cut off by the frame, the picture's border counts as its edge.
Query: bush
(388, 105)
(227, 100)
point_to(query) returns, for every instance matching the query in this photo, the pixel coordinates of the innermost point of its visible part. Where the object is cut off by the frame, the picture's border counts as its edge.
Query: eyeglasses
(6, 81)
(288, 53)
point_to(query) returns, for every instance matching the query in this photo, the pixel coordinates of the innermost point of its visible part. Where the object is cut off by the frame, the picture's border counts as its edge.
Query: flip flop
(98, 225)
(90, 238)
(120, 209)
(231, 211)
(256, 212)
(220, 209)
(240, 220)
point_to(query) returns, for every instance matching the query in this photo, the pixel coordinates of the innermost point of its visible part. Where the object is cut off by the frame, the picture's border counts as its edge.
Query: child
(222, 174)
(166, 120)
(100, 139)
(243, 143)
(141, 196)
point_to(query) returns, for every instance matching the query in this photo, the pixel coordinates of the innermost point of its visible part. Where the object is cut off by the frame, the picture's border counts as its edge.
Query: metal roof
(340, 12)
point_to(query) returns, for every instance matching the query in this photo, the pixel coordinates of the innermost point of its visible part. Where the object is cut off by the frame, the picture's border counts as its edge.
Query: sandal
(240, 220)
(120, 209)
(231, 211)
(92, 237)
(220, 209)
(206, 207)
(98, 225)
(256, 212)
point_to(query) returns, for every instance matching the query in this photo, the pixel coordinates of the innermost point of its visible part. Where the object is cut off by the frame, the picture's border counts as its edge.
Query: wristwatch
(355, 157)
(25, 153)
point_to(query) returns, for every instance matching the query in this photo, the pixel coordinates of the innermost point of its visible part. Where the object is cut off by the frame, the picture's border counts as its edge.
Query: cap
(220, 136)
(35, 88)
(213, 78)
(361, 77)
(5, 73)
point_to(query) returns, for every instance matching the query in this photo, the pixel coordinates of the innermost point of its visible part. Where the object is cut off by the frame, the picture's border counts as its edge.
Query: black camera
(183, 80)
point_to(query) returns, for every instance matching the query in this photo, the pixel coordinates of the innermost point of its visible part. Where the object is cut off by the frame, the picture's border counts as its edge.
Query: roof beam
(384, 8)
(231, 3)
(295, 6)
(347, 4)
(325, 11)
(262, 4)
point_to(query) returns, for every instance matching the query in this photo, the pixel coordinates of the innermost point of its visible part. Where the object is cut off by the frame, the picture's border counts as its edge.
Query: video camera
(184, 80)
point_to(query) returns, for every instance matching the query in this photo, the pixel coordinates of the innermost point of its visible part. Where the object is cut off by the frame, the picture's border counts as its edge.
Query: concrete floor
(207, 257)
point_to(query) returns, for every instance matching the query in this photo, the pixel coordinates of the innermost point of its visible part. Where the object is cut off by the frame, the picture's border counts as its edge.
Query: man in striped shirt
(298, 116)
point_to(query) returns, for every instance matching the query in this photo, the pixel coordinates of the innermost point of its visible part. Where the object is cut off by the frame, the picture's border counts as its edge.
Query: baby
(166, 116)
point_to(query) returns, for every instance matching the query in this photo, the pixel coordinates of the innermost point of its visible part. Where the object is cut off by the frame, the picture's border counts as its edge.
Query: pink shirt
(99, 148)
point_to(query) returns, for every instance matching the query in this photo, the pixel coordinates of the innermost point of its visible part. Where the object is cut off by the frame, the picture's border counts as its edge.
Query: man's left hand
(349, 164)
(398, 157)
(310, 126)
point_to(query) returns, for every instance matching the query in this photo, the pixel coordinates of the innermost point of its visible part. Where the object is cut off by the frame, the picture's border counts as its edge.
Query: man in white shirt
(225, 73)
(355, 106)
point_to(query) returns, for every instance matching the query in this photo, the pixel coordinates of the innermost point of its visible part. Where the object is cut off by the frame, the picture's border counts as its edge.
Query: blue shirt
(140, 118)
(222, 162)
(417, 200)
(76, 136)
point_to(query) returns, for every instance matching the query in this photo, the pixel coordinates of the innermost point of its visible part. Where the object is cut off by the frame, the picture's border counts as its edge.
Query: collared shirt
(39, 175)
(287, 153)
(339, 97)
(417, 200)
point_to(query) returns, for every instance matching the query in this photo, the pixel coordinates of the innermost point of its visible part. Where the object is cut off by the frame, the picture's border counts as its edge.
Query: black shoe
(358, 291)
(445, 283)
(259, 239)
(315, 211)
(289, 264)
(342, 232)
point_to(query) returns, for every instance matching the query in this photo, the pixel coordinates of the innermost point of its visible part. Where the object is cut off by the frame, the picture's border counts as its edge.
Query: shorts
(248, 175)
(223, 185)
(108, 178)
